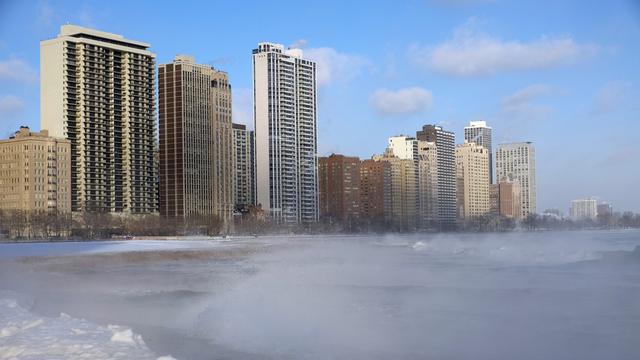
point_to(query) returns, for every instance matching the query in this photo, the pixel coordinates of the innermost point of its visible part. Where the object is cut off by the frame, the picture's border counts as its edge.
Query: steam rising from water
(532, 296)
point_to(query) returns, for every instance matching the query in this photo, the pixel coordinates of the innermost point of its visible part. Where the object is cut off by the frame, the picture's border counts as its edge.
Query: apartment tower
(403, 190)
(243, 144)
(472, 165)
(375, 190)
(98, 90)
(517, 162)
(284, 92)
(478, 132)
(446, 173)
(196, 154)
(428, 184)
(339, 187)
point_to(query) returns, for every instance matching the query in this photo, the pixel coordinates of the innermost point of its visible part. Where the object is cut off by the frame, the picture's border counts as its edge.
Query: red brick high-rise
(339, 187)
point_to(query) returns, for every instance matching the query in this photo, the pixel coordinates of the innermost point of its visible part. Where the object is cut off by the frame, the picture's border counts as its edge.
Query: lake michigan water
(542, 295)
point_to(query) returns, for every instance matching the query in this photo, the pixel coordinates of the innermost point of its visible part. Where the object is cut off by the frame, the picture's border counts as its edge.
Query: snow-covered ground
(25, 336)
(10, 250)
(573, 295)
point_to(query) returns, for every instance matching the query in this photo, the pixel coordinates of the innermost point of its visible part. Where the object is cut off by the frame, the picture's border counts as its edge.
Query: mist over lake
(547, 295)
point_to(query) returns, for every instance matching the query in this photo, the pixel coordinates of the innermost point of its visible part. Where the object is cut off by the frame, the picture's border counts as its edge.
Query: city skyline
(552, 104)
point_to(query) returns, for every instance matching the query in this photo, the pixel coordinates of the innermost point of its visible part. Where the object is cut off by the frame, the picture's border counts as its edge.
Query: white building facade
(285, 119)
(583, 209)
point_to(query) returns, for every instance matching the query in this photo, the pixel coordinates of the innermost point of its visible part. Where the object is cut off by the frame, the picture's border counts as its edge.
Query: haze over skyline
(562, 75)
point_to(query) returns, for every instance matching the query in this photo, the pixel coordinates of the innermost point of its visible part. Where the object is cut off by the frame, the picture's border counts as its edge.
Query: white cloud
(333, 65)
(521, 104)
(611, 96)
(10, 105)
(17, 70)
(298, 44)
(242, 107)
(472, 53)
(404, 101)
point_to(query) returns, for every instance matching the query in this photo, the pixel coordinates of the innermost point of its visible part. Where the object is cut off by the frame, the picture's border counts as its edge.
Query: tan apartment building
(403, 191)
(98, 90)
(339, 187)
(196, 141)
(472, 175)
(245, 177)
(35, 172)
(428, 184)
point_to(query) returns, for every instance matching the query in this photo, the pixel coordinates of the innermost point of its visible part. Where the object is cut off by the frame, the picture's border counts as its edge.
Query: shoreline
(231, 238)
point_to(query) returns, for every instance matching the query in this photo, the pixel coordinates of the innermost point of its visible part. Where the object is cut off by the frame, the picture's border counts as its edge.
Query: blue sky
(563, 74)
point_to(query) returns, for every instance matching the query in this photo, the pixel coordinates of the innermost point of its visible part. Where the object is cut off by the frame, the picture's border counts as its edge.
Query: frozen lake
(565, 295)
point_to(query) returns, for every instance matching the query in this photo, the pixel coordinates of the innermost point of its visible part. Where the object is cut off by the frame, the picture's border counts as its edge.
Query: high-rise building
(98, 90)
(428, 184)
(404, 209)
(584, 209)
(196, 152)
(223, 152)
(472, 164)
(517, 162)
(446, 164)
(494, 199)
(478, 132)
(339, 187)
(375, 190)
(403, 147)
(243, 144)
(284, 92)
(35, 172)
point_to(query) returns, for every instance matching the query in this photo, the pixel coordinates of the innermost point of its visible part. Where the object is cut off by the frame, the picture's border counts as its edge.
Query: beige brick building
(35, 172)
(472, 173)
(404, 191)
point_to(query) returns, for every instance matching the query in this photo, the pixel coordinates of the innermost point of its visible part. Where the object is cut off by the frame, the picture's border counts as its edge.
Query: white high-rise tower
(284, 93)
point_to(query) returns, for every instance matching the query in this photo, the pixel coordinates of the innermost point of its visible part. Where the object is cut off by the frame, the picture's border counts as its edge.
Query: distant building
(605, 210)
(285, 119)
(478, 132)
(375, 190)
(339, 187)
(245, 177)
(196, 149)
(403, 147)
(403, 190)
(446, 163)
(428, 184)
(472, 165)
(517, 162)
(99, 91)
(494, 199)
(584, 209)
(35, 172)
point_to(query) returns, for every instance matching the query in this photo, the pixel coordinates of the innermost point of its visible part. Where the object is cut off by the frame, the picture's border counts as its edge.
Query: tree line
(37, 225)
